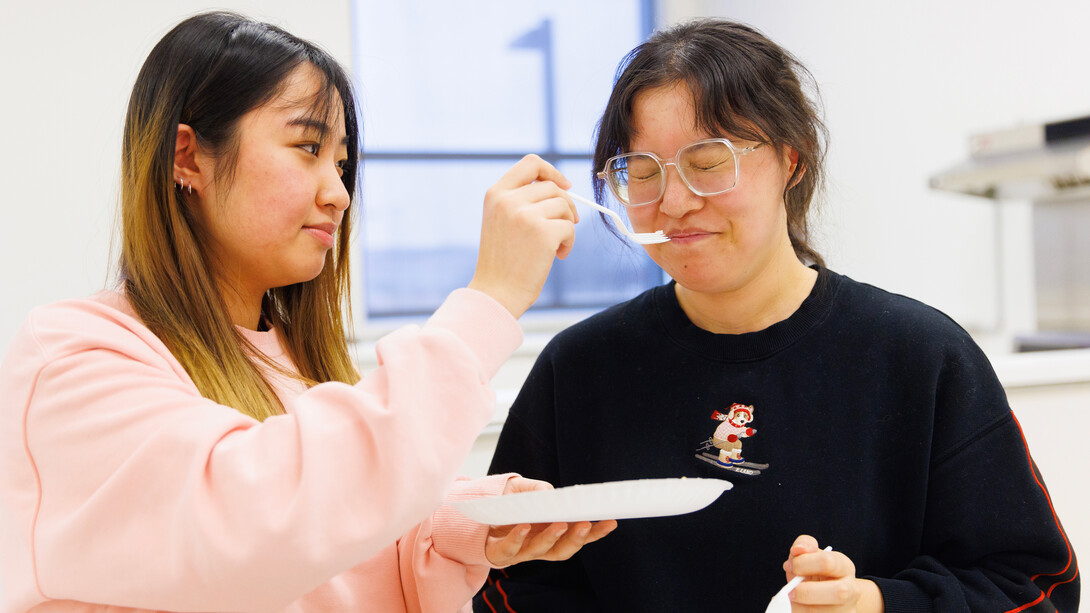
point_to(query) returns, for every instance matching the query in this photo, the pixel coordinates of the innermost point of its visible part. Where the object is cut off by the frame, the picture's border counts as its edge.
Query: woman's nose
(333, 192)
(677, 199)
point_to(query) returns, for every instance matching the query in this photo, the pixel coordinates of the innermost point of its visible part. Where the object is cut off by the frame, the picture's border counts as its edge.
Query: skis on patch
(745, 468)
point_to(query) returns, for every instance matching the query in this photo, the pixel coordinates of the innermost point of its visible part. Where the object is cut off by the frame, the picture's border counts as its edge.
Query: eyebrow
(313, 124)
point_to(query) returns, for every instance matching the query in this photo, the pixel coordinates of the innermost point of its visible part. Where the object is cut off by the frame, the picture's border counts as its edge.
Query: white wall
(67, 70)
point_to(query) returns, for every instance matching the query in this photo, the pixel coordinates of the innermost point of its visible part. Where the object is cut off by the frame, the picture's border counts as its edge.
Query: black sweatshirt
(885, 432)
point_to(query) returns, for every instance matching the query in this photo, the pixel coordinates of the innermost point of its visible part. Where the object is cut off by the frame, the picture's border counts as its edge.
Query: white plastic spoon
(643, 238)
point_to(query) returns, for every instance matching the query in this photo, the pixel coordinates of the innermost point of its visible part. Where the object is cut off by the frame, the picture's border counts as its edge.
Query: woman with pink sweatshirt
(199, 439)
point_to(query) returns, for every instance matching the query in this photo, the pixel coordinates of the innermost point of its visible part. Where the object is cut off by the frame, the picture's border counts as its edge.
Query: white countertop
(1061, 366)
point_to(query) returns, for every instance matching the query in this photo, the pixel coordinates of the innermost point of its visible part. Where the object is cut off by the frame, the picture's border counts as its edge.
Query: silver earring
(191, 187)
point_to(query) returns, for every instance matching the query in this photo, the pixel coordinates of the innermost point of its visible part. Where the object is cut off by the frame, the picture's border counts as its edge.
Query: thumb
(803, 544)
(517, 485)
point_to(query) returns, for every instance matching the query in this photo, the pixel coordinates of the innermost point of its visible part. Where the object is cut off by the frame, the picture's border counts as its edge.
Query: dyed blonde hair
(207, 73)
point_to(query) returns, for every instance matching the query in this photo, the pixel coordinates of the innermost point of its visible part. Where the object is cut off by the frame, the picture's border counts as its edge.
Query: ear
(189, 160)
(793, 165)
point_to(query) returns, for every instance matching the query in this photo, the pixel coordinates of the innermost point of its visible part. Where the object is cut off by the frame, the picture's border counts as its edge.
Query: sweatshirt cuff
(455, 536)
(488, 328)
(902, 596)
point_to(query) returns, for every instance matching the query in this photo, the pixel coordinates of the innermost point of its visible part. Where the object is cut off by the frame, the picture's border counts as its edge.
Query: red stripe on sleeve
(507, 605)
(1028, 604)
(1073, 577)
(1059, 527)
(484, 595)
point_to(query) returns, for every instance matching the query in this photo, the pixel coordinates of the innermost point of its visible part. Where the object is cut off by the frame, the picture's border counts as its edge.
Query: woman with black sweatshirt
(843, 414)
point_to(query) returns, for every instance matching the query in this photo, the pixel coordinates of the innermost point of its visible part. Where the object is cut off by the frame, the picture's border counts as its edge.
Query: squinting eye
(705, 165)
(642, 172)
(311, 148)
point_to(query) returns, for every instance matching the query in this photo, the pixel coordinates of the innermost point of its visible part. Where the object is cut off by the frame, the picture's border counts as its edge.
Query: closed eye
(706, 166)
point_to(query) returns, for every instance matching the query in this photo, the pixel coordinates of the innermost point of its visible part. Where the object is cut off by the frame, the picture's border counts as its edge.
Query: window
(452, 95)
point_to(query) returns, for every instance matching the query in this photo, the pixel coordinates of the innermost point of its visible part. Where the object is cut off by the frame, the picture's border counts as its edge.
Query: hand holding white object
(507, 545)
(832, 584)
(528, 220)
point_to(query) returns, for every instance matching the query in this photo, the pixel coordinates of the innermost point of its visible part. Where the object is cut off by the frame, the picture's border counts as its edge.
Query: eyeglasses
(707, 167)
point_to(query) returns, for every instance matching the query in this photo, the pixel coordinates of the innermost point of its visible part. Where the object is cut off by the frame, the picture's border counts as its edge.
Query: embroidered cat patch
(727, 438)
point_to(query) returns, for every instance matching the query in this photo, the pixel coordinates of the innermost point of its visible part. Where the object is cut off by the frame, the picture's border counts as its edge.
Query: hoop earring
(191, 187)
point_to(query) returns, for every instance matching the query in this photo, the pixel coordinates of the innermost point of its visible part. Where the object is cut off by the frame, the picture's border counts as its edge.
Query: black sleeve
(992, 539)
(527, 445)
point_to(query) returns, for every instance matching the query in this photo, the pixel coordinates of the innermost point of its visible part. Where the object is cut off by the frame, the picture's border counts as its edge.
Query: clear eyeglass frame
(604, 174)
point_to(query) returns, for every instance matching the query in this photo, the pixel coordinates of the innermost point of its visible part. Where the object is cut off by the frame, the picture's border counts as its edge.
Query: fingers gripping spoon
(781, 602)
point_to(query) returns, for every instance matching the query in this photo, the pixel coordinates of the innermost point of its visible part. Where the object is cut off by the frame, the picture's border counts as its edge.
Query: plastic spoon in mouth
(643, 238)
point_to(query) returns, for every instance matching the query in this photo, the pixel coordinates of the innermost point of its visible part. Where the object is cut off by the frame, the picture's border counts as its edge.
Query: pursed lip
(329, 228)
(688, 234)
(323, 232)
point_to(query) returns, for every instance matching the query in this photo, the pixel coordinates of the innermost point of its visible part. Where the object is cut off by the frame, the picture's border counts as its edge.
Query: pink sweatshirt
(122, 485)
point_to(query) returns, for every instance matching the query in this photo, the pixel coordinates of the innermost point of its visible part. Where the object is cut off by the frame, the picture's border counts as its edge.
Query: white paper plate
(592, 502)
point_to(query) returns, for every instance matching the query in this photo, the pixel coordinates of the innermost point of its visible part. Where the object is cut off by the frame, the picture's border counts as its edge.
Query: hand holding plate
(507, 545)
